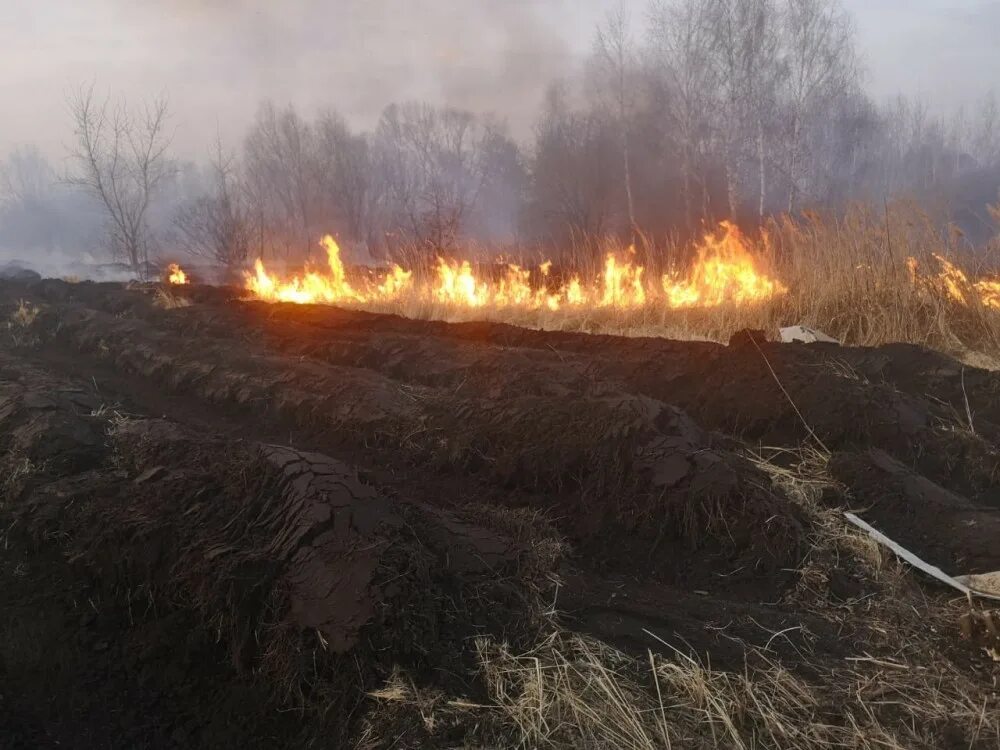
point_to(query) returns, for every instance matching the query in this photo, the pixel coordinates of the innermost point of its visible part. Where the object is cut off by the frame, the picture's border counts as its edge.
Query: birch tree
(681, 41)
(821, 65)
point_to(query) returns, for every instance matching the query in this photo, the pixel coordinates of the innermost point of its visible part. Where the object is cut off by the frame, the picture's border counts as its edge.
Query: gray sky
(216, 59)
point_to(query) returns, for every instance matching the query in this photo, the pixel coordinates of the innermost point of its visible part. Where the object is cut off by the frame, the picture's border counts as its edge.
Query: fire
(724, 272)
(457, 285)
(957, 285)
(623, 285)
(315, 286)
(176, 274)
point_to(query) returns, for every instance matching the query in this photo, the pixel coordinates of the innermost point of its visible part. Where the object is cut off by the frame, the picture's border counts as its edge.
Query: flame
(457, 284)
(396, 281)
(313, 286)
(956, 284)
(989, 292)
(176, 274)
(724, 272)
(623, 286)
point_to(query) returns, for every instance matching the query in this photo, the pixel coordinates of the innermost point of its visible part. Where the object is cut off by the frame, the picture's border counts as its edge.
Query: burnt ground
(225, 524)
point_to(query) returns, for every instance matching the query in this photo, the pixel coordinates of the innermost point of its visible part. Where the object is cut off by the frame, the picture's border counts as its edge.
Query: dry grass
(20, 322)
(16, 471)
(849, 277)
(574, 692)
(24, 315)
(169, 301)
(894, 690)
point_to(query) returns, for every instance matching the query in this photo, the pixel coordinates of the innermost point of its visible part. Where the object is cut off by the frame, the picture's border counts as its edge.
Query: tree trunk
(731, 179)
(686, 187)
(761, 167)
(793, 164)
(628, 183)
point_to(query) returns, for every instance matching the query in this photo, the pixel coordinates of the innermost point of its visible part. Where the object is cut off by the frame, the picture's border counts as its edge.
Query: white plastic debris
(805, 335)
(965, 584)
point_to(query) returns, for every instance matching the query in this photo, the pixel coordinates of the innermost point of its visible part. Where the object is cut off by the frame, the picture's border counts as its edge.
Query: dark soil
(225, 523)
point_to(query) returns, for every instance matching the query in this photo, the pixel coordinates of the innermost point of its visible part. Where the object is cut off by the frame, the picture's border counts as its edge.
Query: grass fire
(724, 272)
(617, 376)
(176, 274)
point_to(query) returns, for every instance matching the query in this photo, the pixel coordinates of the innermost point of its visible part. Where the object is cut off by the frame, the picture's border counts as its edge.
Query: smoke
(58, 264)
(218, 60)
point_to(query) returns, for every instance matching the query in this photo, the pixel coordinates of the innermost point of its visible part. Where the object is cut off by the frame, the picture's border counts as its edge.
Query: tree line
(684, 113)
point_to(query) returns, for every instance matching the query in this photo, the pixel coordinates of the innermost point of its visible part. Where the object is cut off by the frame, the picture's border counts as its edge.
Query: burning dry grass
(20, 322)
(176, 275)
(868, 278)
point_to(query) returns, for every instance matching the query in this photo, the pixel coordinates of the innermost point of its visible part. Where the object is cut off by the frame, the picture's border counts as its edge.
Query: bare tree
(218, 225)
(346, 179)
(570, 195)
(682, 44)
(121, 159)
(746, 48)
(432, 166)
(986, 131)
(822, 66)
(614, 52)
(282, 171)
(25, 176)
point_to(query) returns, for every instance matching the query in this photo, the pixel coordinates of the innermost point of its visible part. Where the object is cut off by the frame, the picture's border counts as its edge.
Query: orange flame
(957, 285)
(724, 272)
(176, 274)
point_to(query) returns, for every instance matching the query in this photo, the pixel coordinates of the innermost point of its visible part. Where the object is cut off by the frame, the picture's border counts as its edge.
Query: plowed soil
(225, 524)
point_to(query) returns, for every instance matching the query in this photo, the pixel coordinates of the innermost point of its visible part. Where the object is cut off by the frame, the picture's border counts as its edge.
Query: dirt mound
(303, 571)
(632, 476)
(902, 399)
(944, 528)
(343, 511)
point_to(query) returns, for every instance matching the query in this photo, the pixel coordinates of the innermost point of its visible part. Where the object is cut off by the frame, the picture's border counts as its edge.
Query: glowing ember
(176, 274)
(724, 272)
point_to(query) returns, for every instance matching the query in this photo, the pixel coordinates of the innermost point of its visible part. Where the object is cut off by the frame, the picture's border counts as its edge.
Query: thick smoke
(218, 60)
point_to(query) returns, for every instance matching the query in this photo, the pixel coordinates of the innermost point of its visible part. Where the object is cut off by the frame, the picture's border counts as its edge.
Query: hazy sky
(216, 59)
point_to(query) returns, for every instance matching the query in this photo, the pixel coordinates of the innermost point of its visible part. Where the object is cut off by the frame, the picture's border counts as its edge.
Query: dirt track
(315, 497)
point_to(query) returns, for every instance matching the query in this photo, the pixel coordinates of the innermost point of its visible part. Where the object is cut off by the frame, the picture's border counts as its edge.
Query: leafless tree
(282, 174)
(346, 179)
(431, 170)
(746, 57)
(681, 41)
(121, 159)
(570, 194)
(616, 57)
(986, 131)
(821, 66)
(218, 226)
(25, 176)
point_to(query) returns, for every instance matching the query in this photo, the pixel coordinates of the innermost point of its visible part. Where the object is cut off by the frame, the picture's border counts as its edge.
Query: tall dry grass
(848, 276)
(571, 691)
